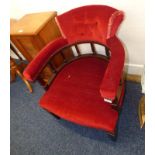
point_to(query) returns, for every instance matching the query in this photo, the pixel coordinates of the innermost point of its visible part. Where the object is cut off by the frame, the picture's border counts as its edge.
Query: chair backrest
(92, 22)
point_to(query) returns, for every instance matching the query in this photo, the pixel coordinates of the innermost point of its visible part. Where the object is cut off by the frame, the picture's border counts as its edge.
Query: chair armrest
(39, 62)
(111, 79)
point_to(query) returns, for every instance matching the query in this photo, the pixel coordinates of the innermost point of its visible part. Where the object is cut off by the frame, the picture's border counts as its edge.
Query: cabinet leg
(12, 75)
(25, 81)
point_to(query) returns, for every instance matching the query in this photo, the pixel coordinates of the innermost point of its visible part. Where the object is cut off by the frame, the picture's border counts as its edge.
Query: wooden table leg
(17, 70)
(141, 111)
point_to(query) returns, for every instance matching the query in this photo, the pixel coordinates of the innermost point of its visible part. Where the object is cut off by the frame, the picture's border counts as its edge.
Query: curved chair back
(92, 22)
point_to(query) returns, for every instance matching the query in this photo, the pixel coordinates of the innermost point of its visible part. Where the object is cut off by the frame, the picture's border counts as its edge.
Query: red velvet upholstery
(34, 68)
(74, 95)
(114, 70)
(92, 22)
(78, 91)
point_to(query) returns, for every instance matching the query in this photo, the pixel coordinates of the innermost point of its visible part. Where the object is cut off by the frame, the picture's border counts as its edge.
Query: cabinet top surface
(31, 24)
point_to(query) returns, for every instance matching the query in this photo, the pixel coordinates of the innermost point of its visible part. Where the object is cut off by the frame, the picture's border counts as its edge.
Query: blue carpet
(35, 132)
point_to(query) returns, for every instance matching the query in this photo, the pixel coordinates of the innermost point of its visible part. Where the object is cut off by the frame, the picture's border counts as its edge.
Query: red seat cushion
(74, 95)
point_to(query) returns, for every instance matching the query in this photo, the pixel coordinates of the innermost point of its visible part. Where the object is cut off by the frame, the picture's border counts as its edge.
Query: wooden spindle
(52, 67)
(63, 55)
(93, 48)
(77, 49)
(107, 52)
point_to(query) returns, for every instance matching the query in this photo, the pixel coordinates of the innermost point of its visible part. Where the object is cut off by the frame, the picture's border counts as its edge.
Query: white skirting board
(136, 70)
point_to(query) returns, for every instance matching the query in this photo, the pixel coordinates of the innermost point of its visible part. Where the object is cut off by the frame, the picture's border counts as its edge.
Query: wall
(131, 31)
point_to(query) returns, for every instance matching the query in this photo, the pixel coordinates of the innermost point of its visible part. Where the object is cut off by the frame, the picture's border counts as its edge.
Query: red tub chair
(88, 88)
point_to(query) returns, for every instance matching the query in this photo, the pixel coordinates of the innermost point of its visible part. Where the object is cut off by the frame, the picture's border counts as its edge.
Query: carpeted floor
(35, 132)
